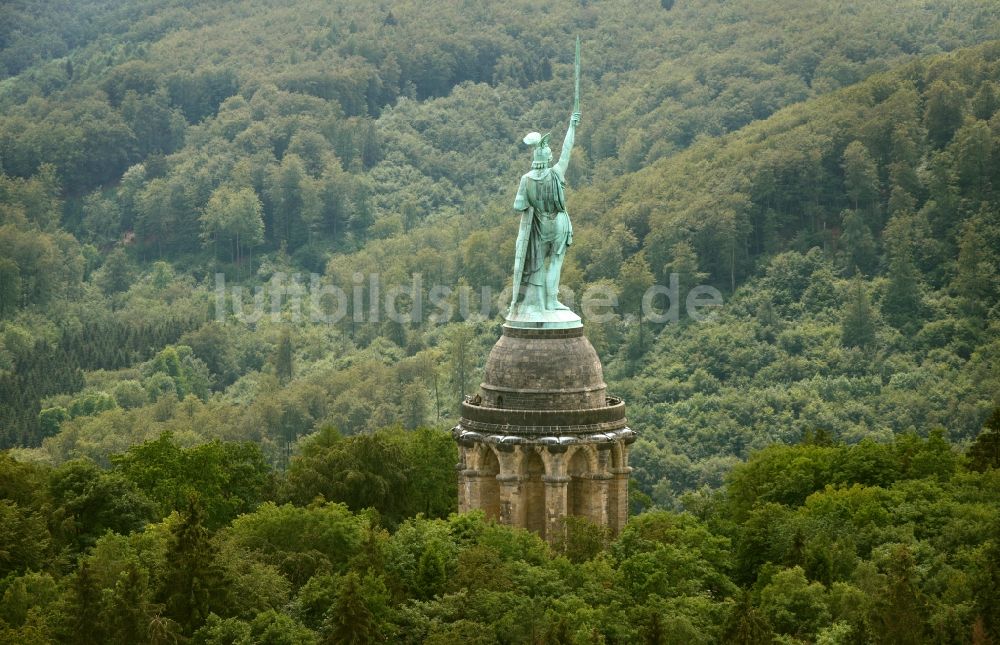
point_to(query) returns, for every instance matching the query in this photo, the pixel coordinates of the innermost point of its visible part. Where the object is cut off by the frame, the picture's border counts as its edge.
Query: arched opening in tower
(534, 492)
(578, 493)
(489, 487)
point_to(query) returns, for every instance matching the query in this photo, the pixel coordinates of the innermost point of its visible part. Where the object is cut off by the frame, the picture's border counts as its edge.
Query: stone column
(468, 490)
(463, 480)
(600, 482)
(599, 490)
(619, 511)
(556, 485)
(555, 505)
(511, 505)
(511, 492)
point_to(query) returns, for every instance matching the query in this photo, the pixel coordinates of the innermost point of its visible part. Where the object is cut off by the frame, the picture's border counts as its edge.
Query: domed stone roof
(543, 369)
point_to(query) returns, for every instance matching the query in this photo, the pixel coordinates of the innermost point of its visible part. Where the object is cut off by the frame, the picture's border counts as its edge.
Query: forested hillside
(167, 147)
(833, 168)
(891, 542)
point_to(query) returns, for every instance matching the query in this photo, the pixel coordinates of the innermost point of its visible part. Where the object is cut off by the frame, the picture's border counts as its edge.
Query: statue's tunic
(551, 232)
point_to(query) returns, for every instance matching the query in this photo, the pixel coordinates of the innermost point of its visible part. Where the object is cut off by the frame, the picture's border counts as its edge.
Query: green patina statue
(545, 231)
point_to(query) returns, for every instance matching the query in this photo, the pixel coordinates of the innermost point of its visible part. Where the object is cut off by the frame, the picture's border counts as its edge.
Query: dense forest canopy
(833, 168)
(820, 542)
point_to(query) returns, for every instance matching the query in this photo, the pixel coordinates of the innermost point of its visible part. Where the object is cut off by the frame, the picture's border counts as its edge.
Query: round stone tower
(542, 439)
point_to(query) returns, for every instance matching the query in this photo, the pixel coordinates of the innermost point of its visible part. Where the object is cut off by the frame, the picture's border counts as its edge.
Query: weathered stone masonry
(542, 440)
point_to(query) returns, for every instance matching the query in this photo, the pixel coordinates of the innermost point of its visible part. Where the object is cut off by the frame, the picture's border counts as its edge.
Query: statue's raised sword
(576, 77)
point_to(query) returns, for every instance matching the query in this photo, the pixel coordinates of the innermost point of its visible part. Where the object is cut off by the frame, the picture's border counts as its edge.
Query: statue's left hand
(575, 119)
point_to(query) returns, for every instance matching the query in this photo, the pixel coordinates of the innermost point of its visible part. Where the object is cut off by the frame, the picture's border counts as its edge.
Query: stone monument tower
(542, 439)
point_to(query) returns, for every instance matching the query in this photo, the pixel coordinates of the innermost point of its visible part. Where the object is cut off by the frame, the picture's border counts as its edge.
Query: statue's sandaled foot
(557, 306)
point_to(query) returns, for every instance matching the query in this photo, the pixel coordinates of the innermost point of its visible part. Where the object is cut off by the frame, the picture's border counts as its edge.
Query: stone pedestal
(545, 431)
(553, 319)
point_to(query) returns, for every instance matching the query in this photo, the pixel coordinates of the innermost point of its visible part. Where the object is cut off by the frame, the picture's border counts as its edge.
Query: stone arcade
(542, 440)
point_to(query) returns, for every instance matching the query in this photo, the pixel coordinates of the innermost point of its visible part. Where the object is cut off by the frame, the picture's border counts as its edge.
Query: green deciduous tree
(362, 471)
(986, 101)
(793, 605)
(24, 540)
(300, 542)
(10, 287)
(101, 219)
(234, 216)
(87, 502)
(117, 273)
(227, 478)
(287, 191)
(283, 361)
(633, 281)
(973, 152)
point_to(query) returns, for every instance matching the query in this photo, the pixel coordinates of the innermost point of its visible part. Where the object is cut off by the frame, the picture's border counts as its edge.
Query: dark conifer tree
(986, 101)
(944, 111)
(901, 304)
(985, 451)
(84, 612)
(130, 613)
(10, 287)
(283, 362)
(898, 615)
(858, 242)
(988, 586)
(858, 327)
(976, 276)
(350, 621)
(193, 584)
(746, 625)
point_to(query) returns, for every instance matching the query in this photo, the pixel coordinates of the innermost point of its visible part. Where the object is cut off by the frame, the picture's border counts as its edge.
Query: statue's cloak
(543, 190)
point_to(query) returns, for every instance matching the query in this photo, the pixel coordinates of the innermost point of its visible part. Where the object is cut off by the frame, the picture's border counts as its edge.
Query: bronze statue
(546, 231)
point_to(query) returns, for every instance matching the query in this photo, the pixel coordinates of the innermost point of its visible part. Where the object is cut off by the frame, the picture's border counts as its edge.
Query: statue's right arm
(567, 148)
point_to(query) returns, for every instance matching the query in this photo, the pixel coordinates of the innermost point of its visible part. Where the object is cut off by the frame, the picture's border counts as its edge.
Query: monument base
(542, 441)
